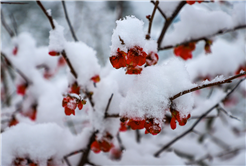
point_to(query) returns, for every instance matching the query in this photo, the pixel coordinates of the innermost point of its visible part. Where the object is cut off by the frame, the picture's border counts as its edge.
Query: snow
(56, 38)
(168, 7)
(150, 93)
(49, 12)
(130, 30)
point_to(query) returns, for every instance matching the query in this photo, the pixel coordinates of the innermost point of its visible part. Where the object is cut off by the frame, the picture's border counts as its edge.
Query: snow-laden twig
(228, 80)
(220, 108)
(198, 120)
(219, 32)
(68, 21)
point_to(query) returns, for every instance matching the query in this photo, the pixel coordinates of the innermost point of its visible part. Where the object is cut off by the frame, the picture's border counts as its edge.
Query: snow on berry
(150, 93)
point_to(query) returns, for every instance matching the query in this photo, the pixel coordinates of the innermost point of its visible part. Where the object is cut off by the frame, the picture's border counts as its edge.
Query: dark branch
(71, 154)
(112, 115)
(109, 101)
(163, 14)
(151, 20)
(207, 85)
(14, 24)
(69, 64)
(204, 38)
(47, 15)
(5, 25)
(169, 22)
(68, 21)
(198, 120)
(86, 152)
(12, 3)
(228, 114)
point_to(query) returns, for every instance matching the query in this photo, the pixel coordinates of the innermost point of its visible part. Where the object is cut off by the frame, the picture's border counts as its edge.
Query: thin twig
(203, 38)
(227, 113)
(112, 115)
(194, 125)
(207, 85)
(109, 101)
(68, 21)
(47, 15)
(151, 20)
(5, 25)
(12, 3)
(14, 24)
(138, 136)
(163, 14)
(17, 70)
(71, 154)
(69, 64)
(120, 141)
(168, 22)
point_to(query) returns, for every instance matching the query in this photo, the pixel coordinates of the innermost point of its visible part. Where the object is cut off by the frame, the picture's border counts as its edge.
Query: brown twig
(11, 3)
(122, 41)
(207, 85)
(69, 64)
(71, 154)
(14, 24)
(168, 22)
(68, 21)
(163, 14)
(47, 15)
(194, 125)
(227, 113)
(17, 70)
(5, 25)
(151, 20)
(112, 115)
(203, 38)
(84, 159)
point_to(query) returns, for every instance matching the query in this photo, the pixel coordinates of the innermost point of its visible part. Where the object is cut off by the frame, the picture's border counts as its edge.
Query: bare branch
(109, 101)
(68, 21)
(151, 20)
(5, 25)
(47, 15)
(69, 64)
(207, 85)
(204, 38)
(227, 113)
(12, 3)
(168, 22)
(198, 120)
(14, 24)
(163, 14)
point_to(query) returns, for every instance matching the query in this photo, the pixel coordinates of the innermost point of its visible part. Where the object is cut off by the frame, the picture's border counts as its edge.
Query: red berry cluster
(103, 144)
(70, 103)
(133, 59)
(22, 161)
(184, 51)
(150, 124)
(176, 116)
(193, 1)
(21, 89)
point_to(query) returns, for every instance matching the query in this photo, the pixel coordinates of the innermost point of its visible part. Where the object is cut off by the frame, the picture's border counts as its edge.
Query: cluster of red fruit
(21, 161)
(133, 59)
(151, 125)
(193, 1)
(21, 89)
(104, 144)
(184, 51)
(176, 116)
(70, 103)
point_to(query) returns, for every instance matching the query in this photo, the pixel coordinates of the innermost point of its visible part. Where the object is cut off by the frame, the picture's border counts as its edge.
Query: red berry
(21, 89)
(15, 50)
(152, 127)
(13, 122)
(173, 123)
(190, 2)
(116, 153)
(118, 60)
(54, 53)
(105, 145)
(133, 70)
(80, 105)
(69, 111)
(136, 56)
(136, 124)
(75, 88)
(95, 147)
(123, 127)
(96, 78)
(151, 59)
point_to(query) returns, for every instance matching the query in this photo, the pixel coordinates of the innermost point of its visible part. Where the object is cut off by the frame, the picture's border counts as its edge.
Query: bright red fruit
(80, 105)
(136, 56)
(152, 58)
(173, 123)
(184, 51)
(176, 116)
(21, 89)
(95, 147)
(96, 78)
(152, 127)
(15, 50)
(136, 124)
(54, 53)
(69, 111)
(190, 2)
(118, 60)
(123, 127)
(105, 145)
(133, 70)
(75, 88)
(13, 122)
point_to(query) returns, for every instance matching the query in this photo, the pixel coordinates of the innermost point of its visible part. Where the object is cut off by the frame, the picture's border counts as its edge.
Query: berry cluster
(70, 103)
(104, 144)
(151, 125)
(176, 116)
(184, 51)
(21, 89)
(193, 1)
(133, 59)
